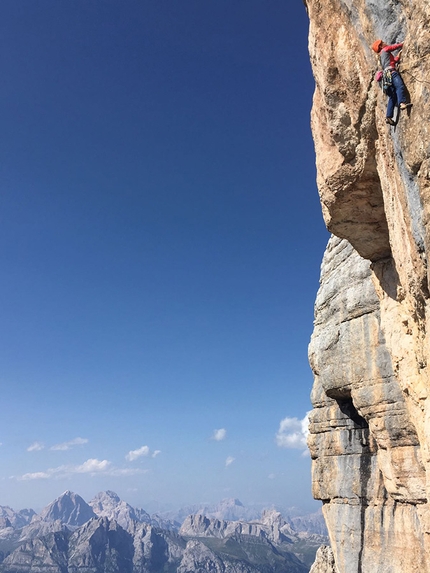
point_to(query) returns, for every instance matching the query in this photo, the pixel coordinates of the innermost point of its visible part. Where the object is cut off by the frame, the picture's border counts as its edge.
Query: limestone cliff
(370, 427)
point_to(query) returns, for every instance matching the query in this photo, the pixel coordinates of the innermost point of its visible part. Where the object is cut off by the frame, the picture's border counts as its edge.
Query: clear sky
(160, 246)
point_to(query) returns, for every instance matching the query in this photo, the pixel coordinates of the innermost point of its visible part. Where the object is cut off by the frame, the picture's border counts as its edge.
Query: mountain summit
(69, 508)
(108, 504)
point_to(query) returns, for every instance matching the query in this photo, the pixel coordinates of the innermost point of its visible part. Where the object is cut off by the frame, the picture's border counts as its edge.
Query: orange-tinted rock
(370, 428)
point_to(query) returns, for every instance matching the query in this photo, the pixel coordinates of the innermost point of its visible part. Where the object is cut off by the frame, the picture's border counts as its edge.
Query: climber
(392, 80)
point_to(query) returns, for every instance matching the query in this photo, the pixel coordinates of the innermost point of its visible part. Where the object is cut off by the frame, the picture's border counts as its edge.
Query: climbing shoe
(390, 121)
(404, 105)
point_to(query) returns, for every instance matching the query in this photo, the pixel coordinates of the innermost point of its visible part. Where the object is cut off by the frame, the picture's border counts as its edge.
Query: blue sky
(160, 245)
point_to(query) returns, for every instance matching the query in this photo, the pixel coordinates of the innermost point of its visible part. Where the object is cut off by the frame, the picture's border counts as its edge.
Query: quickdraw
(387, 80)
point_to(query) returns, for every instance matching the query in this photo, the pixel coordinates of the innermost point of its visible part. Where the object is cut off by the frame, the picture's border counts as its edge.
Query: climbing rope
(415, 78)
(413, 65)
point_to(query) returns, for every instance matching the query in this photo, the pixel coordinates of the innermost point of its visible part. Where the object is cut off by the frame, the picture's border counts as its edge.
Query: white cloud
(229, 461)
(35, 475)
(91, 466)
(68, 445)
(219, 435)
(144, 451)
(292, 433)
(35, 447)
(135, 454)
(271, 476)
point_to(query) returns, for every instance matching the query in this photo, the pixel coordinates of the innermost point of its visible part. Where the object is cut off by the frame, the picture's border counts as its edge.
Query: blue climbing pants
(396, 93)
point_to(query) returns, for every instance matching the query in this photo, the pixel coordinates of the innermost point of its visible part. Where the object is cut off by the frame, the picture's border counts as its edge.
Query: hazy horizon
(156, 507)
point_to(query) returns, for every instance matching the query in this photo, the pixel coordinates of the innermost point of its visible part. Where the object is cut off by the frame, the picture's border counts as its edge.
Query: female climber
(392, 80)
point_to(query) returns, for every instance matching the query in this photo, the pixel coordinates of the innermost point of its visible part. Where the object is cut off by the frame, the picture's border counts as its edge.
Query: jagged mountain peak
(104, 544)
(109, 504)
(70, 508)
(231, 501)
(107, 495)
(16, 519)
(272, 517)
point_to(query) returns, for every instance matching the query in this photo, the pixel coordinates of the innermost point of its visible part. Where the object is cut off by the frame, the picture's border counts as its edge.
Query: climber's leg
(399, 86)
(392, 101)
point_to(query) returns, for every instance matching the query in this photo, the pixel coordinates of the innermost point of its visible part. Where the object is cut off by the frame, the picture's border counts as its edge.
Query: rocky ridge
(116, 539)
(370, 427)
(108, 504)
(15, 519)
(70, 508)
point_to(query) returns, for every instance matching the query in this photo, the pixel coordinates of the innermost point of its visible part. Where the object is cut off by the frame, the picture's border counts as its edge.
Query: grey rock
(243, 554)
(108, 504)
(47, 554)
(271, 526)
(309, 523)
(15, 519)
(229, 509)
(69, 508)
(324, 561)
(100, 545)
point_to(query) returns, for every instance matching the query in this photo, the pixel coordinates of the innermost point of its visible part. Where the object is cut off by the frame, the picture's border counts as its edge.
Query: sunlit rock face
(370, 427)
(324, 561)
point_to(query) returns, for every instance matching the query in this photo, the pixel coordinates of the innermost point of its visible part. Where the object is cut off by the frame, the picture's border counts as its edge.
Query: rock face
(15, 519)
(271, 526)
(108, 504)
(69, 508)
(370, 427)
(324, 561)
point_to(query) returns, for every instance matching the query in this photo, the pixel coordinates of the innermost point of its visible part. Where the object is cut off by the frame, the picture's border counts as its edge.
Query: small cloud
(271, 476)
(292, 433)
(35, 447)
(229, 461)
(155, 454)
(92, 466)
(123, 472)
(35, 475)
(219, 435)
(68, 445)
(135, 454)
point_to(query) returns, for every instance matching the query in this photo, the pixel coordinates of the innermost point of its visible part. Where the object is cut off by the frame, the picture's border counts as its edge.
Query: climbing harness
(387, 80)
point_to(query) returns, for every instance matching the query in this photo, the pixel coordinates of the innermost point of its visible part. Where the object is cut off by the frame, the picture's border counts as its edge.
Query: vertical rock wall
(370, 427)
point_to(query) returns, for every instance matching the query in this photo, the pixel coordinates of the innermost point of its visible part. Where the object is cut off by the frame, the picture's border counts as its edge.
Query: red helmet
(377, 46)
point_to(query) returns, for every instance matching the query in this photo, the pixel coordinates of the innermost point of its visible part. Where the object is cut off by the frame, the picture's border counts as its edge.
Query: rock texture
(108, 504)
(370, 427)
(271, 526)
(69, 508)
(102, 545)
(324, 561)
(15, 519)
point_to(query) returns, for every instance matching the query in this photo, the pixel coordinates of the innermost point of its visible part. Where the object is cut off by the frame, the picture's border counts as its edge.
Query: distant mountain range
(108, 535)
